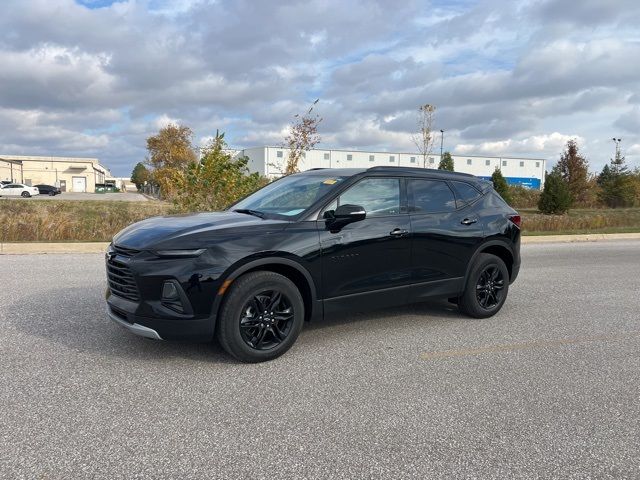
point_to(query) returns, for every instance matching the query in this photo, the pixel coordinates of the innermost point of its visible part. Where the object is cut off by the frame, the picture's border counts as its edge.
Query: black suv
(310, 245)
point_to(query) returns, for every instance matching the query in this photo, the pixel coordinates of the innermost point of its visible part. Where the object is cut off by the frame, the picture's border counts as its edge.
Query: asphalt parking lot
(548, 388)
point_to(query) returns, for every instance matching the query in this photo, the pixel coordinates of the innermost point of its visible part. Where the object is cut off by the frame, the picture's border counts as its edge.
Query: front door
(63, 185)
(367, 264)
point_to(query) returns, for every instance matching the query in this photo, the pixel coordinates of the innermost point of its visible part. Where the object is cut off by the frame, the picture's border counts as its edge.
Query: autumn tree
(170, 154)
(574, 171)
(171, 147)
(616, 183)
(302, 137)
(216, 181)
(140, 175)
(424, 138)
(446, 162)
(556, 196)
(500, 185)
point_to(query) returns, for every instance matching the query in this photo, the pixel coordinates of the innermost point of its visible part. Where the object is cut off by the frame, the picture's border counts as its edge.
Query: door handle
(469, 221)
(397, 232)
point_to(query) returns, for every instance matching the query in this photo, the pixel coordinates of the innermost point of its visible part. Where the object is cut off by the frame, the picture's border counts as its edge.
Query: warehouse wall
(271, 161)
(72, 174)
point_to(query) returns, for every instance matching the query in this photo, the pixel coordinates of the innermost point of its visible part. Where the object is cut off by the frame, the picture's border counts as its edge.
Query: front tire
(261, 317)
(486, 288)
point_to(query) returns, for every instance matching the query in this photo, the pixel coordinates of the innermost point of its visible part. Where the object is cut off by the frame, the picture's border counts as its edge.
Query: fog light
(169, 291)
(171, 297)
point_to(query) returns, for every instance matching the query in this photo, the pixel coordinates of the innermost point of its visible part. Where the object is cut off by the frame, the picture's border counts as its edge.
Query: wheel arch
(495, 247)
(284, 266)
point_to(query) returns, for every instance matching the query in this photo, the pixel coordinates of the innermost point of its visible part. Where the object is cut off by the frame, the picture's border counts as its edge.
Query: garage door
(79, 184)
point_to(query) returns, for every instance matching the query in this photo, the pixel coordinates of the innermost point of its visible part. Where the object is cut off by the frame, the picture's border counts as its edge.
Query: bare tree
(424, 138)
(303, 136)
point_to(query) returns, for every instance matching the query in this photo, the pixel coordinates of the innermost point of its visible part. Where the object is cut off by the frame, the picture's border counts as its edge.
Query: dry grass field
(60, 221)
(86, 221)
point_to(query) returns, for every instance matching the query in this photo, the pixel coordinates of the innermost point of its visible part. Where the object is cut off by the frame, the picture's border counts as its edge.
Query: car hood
(190, 231)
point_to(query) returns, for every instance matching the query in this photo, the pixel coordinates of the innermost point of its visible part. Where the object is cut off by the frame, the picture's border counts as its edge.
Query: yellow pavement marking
(526, 345)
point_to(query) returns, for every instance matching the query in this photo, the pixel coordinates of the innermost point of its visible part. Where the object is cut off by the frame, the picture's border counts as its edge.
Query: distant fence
(152, 190)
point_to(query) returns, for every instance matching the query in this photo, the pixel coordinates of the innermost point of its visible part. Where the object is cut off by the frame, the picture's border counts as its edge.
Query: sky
(508, 78)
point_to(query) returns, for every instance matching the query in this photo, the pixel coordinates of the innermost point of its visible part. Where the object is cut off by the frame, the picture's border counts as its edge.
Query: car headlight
(180, 253)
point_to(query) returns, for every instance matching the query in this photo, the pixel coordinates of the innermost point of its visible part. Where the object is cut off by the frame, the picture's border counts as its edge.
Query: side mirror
(353, 213)
(344, 215)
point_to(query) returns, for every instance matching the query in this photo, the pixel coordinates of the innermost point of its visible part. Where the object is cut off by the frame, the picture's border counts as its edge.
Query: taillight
(516, 220)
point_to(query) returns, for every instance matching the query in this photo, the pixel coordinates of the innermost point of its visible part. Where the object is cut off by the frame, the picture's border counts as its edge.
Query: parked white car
(18, 190)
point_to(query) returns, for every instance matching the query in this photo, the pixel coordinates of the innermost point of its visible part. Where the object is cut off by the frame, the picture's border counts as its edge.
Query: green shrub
(500, 185)
(556, 197)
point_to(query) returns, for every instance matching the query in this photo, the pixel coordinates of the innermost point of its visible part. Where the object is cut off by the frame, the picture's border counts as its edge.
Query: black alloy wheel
(266, 320)
(25, 194)
(489, 287)
(486, 287)
(261, 316)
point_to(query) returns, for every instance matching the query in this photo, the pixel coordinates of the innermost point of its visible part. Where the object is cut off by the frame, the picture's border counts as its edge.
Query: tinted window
(430, 196)
(465, 193)
(378, 196)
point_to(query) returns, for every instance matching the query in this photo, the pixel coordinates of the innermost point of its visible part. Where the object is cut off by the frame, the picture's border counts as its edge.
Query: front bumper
(134, 328)
(121, 311)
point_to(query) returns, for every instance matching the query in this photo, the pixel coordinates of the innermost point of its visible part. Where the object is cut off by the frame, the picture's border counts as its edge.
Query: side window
(465, 193)
(430, 196)
(379, 196)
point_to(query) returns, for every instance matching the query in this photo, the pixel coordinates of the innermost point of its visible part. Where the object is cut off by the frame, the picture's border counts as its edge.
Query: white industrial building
(270, 161)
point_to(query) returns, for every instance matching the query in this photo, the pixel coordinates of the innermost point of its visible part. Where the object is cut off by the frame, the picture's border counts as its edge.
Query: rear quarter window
(466, 193)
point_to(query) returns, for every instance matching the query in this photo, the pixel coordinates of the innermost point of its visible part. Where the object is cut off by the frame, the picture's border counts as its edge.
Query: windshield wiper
(248, 211)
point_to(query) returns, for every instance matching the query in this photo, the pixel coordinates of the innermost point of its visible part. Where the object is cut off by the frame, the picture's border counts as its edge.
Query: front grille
(125, 252)
(121, 281)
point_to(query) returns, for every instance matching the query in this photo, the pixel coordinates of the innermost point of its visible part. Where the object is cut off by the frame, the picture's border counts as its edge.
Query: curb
(44, 248)
(101, 247)
(589, 237)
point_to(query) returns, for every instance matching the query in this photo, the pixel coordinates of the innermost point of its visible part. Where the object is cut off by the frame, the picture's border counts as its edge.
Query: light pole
(441, 142)
(617, 142)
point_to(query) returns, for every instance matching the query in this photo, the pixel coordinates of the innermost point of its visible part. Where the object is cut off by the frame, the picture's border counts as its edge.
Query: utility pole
(617, 142)
(441, 142)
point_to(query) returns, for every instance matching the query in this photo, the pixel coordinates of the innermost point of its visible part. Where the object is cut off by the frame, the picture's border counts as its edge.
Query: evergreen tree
(140, 175)
(605, 176)
(574, 170)
(446, 162)
(500, 185)
(556, 197)
(616, 183)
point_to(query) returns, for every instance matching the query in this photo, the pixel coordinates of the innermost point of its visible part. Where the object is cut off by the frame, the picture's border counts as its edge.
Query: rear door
(368, 262)
(445, 233)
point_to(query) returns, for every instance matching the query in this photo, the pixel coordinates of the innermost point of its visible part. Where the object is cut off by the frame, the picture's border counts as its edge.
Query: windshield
(289, 196)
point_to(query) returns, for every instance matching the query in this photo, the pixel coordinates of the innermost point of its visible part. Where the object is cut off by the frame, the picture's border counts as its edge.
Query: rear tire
(486, 288)
(261, 317)
(25, 194)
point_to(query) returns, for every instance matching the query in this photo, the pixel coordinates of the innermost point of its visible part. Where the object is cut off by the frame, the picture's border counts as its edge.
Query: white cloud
(507, 77)
(541, 145)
